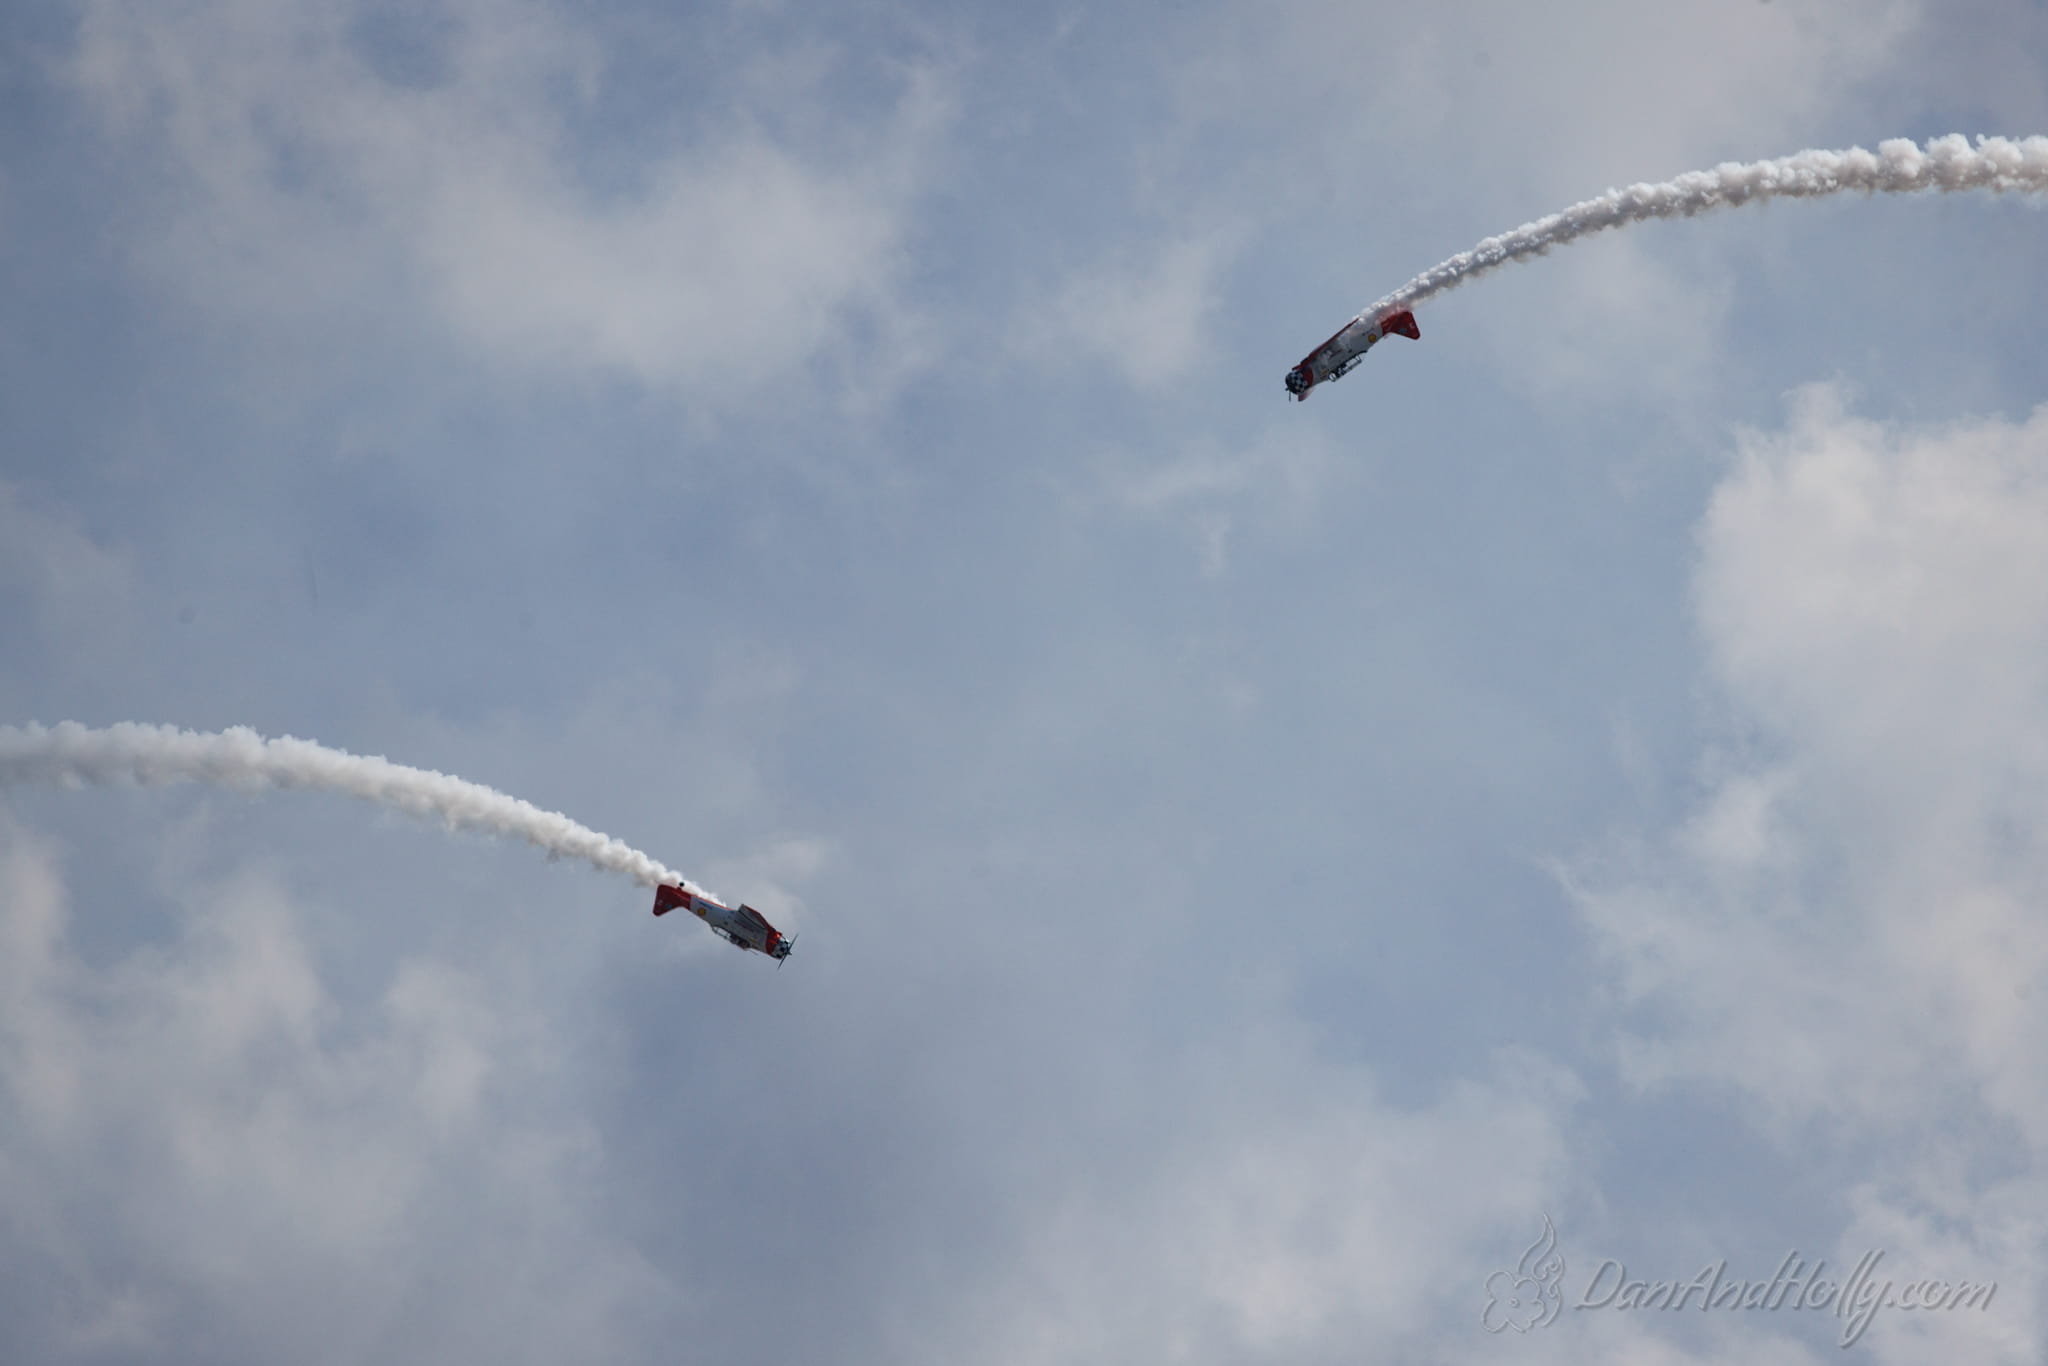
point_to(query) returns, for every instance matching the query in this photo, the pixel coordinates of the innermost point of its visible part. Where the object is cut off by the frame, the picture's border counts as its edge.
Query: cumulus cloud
(214, 1152)
(307, 172)
(1295, 1218)
(1850, 931)
(206, 1155)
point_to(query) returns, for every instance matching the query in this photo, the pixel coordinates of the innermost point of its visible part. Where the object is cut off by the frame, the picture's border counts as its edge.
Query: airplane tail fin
(667, 898)
(1403, 323)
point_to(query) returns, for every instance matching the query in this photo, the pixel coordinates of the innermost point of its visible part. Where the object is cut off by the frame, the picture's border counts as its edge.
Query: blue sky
(1254, 862)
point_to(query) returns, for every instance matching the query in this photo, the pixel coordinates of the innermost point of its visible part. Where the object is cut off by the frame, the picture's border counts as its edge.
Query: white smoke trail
(1897, 167)
(73, 755)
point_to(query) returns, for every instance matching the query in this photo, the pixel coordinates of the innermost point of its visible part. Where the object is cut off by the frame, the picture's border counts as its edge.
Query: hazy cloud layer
(1255, 862)
(346, 160)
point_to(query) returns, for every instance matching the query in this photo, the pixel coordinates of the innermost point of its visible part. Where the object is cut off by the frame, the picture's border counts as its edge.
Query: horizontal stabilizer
(1403, 323)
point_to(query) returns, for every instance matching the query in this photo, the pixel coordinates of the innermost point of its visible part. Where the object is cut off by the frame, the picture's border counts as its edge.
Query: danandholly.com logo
(1532, 1294)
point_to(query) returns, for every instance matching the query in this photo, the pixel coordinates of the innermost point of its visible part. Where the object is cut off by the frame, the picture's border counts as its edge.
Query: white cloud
(299, 183)
(1938, 1224)
(1541, 102)
(1296, 1216)
(1851, 932)
(201, 1148)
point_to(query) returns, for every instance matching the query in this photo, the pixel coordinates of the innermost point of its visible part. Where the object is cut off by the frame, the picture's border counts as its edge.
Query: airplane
(744, 928)
(1335, 357)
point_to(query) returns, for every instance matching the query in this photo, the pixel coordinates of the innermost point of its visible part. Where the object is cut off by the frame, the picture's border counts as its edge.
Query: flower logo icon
(1527, 1297)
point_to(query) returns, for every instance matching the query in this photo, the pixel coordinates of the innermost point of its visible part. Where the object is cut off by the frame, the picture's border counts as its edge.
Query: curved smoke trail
(73, 755)
(1896, 167)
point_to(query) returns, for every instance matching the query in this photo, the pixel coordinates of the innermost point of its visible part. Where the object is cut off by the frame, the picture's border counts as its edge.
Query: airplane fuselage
(1335, 357)
(743, 927)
